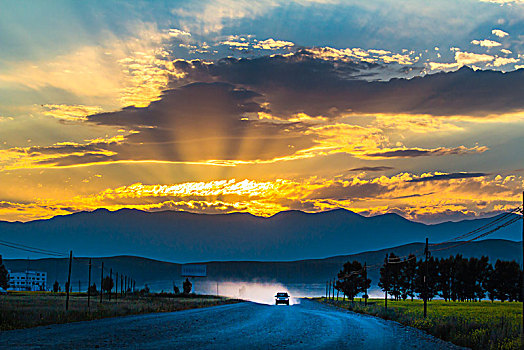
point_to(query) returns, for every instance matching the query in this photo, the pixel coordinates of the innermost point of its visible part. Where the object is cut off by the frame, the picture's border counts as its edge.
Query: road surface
(308, 325)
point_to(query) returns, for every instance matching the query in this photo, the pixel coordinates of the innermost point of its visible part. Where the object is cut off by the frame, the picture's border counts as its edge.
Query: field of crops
(477, 325)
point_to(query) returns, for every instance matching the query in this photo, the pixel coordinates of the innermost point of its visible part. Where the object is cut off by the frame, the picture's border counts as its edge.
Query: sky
(222, 106)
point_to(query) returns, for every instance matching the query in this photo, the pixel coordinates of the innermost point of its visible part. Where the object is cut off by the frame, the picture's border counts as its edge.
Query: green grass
(31, 309)
(477, 325)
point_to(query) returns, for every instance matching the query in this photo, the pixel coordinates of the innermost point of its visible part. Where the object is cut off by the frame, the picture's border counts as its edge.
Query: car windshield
(282, 295)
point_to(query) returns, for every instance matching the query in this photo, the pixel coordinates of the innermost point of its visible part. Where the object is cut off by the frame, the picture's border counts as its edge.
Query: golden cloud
(70, 112)
(486, 43)
(499, 33)
(272, 44)
(426, 197)
(464, 58)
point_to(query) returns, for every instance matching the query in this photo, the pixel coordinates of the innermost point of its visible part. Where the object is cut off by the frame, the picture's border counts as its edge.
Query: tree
(482, 275)
(4, 275)
(457, 284)
(187, 286)
(408, 275)
(395, 275)
(431, 285)
(352, 280)
(92, 289)
(175, 289)
(445, 277)
(508, 278)
(107, 284)
(491, 283)
(390, 276)
(56, 287)
(144, 290)
(385, 276)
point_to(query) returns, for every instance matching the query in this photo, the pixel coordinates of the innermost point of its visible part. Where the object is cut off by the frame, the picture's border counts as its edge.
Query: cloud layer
(429, 197)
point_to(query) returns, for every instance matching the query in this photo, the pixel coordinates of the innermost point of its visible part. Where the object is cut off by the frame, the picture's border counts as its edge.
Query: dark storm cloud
(212, 113)
(195, 122)
(299, 82)
(75, 159)
(64, 149)
(194, 104)
(302, 70)
(448, 177)
(343, 191)
(413, 195)
(304, 82)
(415, 152)
(372, 168)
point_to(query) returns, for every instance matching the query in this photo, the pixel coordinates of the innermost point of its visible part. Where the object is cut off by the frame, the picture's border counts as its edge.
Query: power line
(411, 256)
(479, 229)
(507, 223)
(31, 249)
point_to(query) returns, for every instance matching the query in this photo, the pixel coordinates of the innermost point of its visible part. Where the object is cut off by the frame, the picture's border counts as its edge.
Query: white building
(28, 280)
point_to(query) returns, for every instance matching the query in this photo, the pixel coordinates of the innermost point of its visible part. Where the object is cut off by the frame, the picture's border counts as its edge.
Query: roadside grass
(476, 325)
(31, 309)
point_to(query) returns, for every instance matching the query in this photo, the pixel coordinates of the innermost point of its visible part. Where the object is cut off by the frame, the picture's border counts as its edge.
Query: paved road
(308, 325)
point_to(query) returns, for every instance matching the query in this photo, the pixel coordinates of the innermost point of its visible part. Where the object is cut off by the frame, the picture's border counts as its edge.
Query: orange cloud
(426, 197)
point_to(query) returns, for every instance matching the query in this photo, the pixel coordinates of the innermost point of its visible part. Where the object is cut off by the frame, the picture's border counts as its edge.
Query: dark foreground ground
(31, 309)
(308, 325)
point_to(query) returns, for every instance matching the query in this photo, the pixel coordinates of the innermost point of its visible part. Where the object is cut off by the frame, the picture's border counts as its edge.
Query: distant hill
(161, 274)
(182, 237)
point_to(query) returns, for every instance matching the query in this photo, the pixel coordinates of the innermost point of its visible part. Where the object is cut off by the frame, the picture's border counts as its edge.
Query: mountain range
(187, 237)
(302, 273)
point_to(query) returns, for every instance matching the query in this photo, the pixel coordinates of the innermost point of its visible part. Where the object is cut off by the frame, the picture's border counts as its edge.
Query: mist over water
(262, 292)
(258, 292)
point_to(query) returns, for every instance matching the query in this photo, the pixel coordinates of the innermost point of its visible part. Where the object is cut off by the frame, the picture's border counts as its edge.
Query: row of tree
(4, 276)
(108, 284)
(455, 278)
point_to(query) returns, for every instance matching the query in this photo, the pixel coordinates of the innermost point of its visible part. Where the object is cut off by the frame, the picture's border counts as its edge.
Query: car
(282, 298)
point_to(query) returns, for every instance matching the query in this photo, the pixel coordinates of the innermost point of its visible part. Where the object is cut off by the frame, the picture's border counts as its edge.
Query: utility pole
(387, 283)
(333, 289)
(89, 287)
(110, 280)
(101, 281)
(78, 286)
(326, 290)
(365, 284)
(121, 284)
(329, 289)
(426, 251)
(522, 291)
(116, 286)
(69, 280)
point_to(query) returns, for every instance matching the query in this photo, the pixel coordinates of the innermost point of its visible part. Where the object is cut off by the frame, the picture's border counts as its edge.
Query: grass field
(31, 309)
(477, 325)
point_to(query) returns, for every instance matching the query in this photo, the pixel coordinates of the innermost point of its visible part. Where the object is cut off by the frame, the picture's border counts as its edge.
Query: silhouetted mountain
(183, 237)
(160, 275)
